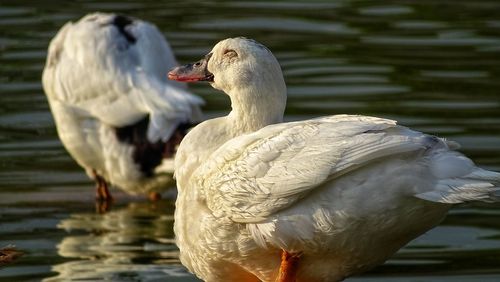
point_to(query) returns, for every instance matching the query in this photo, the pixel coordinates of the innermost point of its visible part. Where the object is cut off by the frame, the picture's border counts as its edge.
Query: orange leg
(103, 196)
(102, 207)
(103, 199)
(154, 196)
(288, 267)
(102, 192)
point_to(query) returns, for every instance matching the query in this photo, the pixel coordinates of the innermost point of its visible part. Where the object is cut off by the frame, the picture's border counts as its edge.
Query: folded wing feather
(256, 175)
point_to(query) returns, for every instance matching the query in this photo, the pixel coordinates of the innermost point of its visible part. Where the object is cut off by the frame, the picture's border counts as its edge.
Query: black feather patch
(146, 154)
(121, 22)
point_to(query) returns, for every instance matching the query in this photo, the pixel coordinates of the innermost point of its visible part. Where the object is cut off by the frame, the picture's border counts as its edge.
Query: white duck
(314, 200)
(116, 112)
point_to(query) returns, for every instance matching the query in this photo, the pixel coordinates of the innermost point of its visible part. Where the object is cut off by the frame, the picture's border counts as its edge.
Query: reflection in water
(451, 249)
(95, 270)
(129, 243)
(135, 243)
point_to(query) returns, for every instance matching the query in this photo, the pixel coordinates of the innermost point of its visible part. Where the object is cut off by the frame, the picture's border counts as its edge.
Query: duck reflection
(128, 243)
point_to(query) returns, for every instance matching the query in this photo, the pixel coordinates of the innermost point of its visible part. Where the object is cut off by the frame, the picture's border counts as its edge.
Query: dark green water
(432, 65)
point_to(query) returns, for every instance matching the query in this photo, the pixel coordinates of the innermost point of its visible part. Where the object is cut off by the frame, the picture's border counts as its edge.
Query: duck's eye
(230, 53)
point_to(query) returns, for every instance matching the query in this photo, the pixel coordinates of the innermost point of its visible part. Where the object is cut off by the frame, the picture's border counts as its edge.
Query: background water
(432, 65)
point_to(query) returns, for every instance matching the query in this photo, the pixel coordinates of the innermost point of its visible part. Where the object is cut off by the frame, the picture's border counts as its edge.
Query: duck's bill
(192, 72)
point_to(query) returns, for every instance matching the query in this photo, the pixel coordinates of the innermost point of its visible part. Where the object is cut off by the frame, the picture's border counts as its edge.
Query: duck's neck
(254, 108)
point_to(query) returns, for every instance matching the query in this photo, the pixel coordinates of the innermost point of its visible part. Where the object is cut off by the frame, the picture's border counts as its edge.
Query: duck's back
(345, 191)
(105, 75)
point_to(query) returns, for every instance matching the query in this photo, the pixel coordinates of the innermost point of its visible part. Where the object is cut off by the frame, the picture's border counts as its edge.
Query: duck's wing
(113, 68)
(254, 176)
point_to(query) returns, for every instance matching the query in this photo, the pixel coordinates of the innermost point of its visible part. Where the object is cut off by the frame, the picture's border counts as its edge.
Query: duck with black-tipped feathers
(115, 110)
(312, 200)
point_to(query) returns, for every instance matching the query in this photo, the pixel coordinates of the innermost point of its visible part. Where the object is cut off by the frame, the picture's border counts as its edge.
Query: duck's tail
(459, 180)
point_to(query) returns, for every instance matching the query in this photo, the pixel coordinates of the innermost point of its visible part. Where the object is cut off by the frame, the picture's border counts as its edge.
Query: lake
(431, 65)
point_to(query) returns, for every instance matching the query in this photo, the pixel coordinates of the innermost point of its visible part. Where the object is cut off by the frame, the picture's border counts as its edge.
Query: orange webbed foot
(288, 267)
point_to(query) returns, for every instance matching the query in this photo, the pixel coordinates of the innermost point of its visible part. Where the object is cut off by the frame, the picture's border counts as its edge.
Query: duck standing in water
(115, 111)
(313, 200)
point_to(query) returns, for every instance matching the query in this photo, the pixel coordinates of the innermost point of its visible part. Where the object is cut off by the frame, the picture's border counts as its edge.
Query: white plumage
(105, 79)
(345, 192)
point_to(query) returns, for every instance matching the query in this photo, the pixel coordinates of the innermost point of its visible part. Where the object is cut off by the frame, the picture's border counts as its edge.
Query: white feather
(96, 79)
(344, 191)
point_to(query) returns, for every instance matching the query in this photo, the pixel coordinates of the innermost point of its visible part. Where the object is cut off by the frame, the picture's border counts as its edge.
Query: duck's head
(235, 64)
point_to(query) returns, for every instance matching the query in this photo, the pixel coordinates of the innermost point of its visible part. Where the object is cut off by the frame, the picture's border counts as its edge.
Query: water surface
(432, 65)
